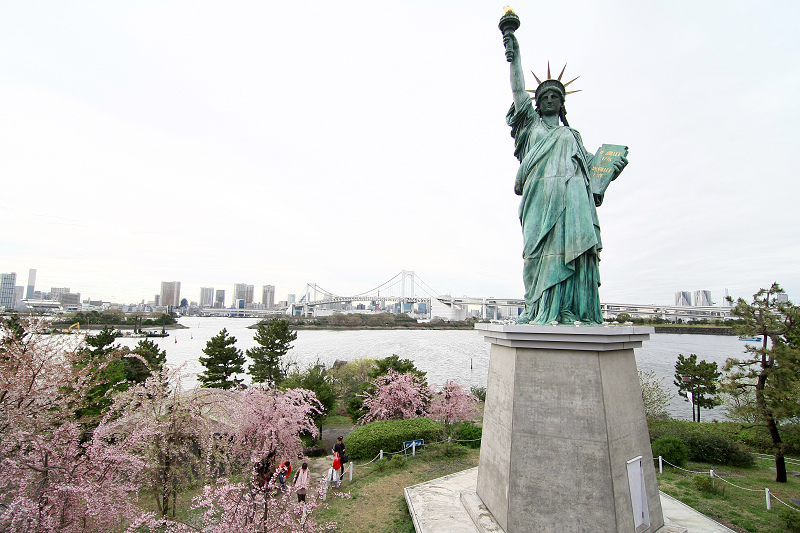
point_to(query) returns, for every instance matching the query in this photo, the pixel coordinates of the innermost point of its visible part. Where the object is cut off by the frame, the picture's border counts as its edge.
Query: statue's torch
(508, 25)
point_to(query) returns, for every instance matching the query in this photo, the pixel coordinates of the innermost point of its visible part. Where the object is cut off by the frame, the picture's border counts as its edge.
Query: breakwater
(695, 330)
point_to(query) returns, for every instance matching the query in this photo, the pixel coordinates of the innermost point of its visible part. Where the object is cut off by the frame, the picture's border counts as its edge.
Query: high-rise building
(206, 296)
(268, 296)
(219, 299)
(683, 298)
(243, 291)
(31, 283)
(171, 293)
(291, 298)
(69, 299)
(19, 294)
(702, 298)
(7, 284)
(56, 292)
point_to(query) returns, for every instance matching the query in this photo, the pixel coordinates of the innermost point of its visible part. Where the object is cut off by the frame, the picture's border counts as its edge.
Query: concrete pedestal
(563, 427)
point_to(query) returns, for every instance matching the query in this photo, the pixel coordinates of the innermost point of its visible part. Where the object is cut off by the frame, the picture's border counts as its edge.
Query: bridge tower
(406, 287)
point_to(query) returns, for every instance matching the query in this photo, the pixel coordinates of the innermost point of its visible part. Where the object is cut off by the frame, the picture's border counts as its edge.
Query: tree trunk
(698, 413)
(780, 463)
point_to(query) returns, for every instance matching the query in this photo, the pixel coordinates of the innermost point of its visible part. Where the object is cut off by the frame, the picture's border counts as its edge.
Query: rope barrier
(788, 460)
(679, 468)
(737, 486)
(373, 460)
(792, 507)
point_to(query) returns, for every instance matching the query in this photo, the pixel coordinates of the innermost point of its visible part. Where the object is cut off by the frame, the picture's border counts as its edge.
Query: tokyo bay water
(459, 355)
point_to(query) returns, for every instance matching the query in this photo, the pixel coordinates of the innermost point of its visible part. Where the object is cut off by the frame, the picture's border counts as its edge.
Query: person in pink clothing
(301, 483)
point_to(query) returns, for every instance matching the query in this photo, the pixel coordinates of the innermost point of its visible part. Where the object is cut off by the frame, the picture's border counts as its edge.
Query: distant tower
(206, 296)
(19, 294)
(171, 293)
(683, 298)
(407, 283)
(702, 298)
(291, 298)
(240, 291)
(31, 283)
(268, 296)
(249, 293)
(7, 284)
(725, 297)
(219, 299)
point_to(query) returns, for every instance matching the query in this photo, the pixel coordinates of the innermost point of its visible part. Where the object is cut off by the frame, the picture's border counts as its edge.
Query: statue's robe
(558, 214)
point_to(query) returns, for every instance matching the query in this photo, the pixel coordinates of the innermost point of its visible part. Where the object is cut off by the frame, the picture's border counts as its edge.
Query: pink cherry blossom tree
(176, 434)
(268, 420)
(396, 397)
(156, 436)
(452, 403)
(54, 476)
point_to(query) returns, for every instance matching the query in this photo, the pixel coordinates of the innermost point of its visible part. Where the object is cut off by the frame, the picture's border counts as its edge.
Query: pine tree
(274, 339)
(223, 362)
(136, 370)
(700, 379)
(763, 384)
(106, 370)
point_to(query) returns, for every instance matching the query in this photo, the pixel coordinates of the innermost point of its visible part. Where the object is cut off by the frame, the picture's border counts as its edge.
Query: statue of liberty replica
(561, 185)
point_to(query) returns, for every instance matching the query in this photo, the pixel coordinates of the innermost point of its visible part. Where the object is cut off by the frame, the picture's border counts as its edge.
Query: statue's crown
(552, 84)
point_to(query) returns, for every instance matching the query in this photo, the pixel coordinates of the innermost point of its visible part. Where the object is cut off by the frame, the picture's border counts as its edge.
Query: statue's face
(550, 103)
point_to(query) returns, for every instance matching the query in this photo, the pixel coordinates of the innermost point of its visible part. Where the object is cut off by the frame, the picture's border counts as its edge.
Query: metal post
(325, 490)
(413, 449)
(351, 470)
(660, 465)
(769, 500)
(381, 454)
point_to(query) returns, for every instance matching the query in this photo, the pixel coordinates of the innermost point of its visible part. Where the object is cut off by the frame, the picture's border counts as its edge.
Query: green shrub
(367, 441)
(718, 450)
(445, 449)
(478, 392)
(672, 449)
(468, 431)
(398, 462)
(705, 483)
(708, 442)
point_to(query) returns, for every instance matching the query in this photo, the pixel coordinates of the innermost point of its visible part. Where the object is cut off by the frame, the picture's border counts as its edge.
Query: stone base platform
(450, 504)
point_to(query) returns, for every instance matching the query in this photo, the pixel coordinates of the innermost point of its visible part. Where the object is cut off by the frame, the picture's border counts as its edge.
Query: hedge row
(367, 441)
(755, 438)
(707, 443)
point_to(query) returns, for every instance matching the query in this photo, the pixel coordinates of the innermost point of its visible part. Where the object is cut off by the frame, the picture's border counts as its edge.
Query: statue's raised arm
(508, 25)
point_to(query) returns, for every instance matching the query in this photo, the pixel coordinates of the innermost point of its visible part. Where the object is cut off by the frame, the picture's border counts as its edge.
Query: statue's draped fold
(560, 230)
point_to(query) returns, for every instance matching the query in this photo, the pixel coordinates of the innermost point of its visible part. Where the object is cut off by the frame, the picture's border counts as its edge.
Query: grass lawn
(377, 503)
(738, 509)
(335, 420)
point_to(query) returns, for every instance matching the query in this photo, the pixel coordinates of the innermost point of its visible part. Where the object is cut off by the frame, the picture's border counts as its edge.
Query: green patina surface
(560, 228)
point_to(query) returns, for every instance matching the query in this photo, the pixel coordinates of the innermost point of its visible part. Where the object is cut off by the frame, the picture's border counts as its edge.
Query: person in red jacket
(284, 471)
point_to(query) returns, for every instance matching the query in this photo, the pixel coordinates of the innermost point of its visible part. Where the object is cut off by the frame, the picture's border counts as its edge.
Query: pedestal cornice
(588, 338)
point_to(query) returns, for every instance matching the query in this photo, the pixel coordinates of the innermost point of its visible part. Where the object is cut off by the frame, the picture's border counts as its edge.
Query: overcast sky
(341, 142)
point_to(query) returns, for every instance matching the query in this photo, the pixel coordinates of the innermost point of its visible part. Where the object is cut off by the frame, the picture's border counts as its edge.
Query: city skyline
(355, 148)
(705, 297)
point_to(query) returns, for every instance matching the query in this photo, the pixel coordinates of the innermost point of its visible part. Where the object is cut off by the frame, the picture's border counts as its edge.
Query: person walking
(301, 483)
(337, 465)
(343, 458)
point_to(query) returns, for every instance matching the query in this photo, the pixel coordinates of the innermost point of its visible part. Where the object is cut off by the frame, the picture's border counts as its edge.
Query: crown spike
(566, 84)
(570, 92)
(562, 72)
(549, 77)
(537, 78)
